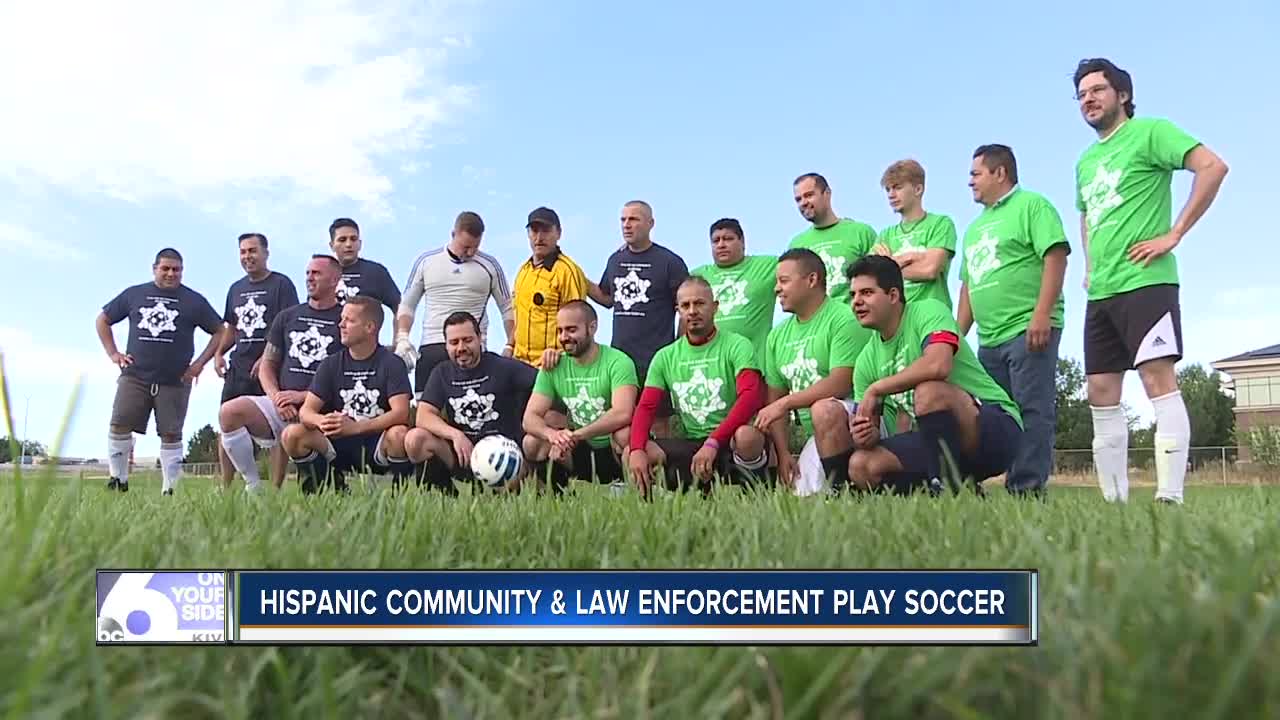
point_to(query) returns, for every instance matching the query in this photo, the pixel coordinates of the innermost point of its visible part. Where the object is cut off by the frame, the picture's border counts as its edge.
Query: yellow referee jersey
(539, 292)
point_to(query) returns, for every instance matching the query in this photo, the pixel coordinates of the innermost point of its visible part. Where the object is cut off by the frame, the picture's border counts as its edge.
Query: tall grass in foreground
(1146, 611)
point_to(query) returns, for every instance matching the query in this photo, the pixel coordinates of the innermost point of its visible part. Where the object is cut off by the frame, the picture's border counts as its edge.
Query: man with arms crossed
(454, 278)
(1011, 269)
(923, 243)
(300, 337)
(917, 364)
(356, 412)
(743, 285)
(639, 283)
(597, 385)
(253, 302)
(360, 276)
(546, 282)
(1133, 318)
(473, 394)
(809, 360)
(717, 387)
(156, 370)
(837, 241)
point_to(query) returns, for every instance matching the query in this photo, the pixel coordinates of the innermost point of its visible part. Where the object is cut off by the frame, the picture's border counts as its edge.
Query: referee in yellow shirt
(545, 282)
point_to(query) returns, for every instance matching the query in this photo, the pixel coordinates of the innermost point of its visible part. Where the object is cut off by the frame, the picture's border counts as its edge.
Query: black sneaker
(113, 484)
(1167, 501)
(167, 492)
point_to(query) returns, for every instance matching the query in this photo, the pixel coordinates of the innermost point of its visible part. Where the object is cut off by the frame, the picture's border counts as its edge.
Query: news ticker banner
(566, 607)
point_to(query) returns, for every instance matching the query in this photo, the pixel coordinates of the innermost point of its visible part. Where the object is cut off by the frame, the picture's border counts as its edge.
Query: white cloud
(30, 361)
(149, 99)
(28, 242)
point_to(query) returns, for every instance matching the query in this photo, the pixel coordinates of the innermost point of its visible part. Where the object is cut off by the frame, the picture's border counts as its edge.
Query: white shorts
(812, 478)
(272, 414)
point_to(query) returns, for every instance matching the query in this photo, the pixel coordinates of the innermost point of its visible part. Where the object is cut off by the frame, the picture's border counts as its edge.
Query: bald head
(637, 224)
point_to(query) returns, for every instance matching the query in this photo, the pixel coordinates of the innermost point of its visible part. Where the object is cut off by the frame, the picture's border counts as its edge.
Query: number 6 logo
(136, 612)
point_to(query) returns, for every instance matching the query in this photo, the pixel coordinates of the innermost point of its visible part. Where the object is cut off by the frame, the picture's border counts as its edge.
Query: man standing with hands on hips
(1012, 266)
(1133, 317)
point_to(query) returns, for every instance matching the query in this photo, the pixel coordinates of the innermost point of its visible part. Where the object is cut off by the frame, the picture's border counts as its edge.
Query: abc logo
(109, 630)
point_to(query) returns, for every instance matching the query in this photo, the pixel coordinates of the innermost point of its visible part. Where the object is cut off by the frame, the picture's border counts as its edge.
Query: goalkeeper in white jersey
(454, 278)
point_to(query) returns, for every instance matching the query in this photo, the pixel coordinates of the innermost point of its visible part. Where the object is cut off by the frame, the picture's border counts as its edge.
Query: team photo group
(867, 383)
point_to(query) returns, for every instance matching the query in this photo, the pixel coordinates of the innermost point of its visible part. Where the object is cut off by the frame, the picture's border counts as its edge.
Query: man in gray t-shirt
(639, 283)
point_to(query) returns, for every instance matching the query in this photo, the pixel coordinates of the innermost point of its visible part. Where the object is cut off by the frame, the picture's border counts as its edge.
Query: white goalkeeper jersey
(450, 284)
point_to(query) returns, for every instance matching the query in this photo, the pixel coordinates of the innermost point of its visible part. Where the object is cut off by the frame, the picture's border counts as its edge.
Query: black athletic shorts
(429, 356)
(597, 464)
(1124, 331)
(359, 453)
(679, 465)
(998, 438)
(238, 383)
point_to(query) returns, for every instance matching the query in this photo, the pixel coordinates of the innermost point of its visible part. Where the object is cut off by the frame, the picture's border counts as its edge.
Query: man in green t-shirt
(838, 241)
(743, 285)
(1133, 319)
(715, 384)
(922, 243)
(1011, 272)
(809, 360)
(596, 385)
(917, 364)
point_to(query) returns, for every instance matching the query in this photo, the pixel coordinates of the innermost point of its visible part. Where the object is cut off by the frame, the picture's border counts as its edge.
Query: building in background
(1255, 379)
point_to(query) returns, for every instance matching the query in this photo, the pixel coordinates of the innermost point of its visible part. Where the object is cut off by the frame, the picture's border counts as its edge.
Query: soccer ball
(496, 460)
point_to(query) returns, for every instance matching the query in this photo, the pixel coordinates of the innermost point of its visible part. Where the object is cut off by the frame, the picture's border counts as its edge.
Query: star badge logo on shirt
(360, 402)
(631, 290)
(700, 396)
(250, 317)
(584, 409)
(309, 347)
(157, 319)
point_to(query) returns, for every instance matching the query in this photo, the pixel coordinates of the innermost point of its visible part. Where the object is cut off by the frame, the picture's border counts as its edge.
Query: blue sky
(126, 132)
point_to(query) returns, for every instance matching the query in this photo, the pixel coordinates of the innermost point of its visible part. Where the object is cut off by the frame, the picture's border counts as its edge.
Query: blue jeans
(1030, 379)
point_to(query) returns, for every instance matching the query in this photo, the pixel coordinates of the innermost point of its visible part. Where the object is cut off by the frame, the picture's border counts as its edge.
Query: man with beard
(300, 337)
(1133, 315)
(597, 385)
(356, 411)
(743, 285)
(809, 359)
(917, 364)
(716, 387)
(475, 394)
(156, 370)
(837, 241)
(253, 302)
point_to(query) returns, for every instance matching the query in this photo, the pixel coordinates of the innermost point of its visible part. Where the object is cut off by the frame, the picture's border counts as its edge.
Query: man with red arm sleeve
(716, 387)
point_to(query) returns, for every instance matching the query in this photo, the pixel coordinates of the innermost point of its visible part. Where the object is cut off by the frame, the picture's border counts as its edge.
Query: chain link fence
(1205, 466)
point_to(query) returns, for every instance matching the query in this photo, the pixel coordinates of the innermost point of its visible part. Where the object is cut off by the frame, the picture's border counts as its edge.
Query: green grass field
(1146, 611)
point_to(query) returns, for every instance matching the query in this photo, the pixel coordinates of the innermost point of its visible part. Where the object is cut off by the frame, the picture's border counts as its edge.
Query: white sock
(329, 453)
(170, 464)
(1111, 451)
(239, 447)
(119, 447)
(1173, 441)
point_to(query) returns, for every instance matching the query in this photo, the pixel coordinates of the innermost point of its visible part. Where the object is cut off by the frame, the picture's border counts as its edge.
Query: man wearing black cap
(544, 283)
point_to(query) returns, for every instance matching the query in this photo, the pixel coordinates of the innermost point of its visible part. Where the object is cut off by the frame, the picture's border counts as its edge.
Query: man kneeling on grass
(356, 412)
(474, 394)
(916, 363)
(716, 383)
(596, 385)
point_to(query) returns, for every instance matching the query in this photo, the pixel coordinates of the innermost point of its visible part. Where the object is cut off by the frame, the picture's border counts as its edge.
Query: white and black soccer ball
(496, 460)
